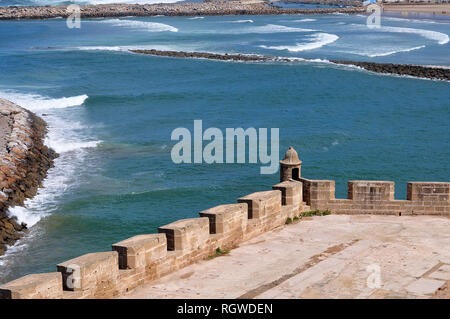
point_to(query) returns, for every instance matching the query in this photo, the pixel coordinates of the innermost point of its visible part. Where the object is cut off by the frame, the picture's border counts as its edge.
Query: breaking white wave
(305, 20)
(274, 28)
(413, 20)
(373, 55)
(34, 102)
(127, 48)
(66, 138)
(196, 18)
(241, 21)
(103, 48)
(318, 41)
(140, 25)
(439, 37)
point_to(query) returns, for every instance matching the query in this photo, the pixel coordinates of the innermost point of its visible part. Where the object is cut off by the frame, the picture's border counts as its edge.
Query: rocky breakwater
(24, 161)
(429, 72)
(205, 55)
(174, 9)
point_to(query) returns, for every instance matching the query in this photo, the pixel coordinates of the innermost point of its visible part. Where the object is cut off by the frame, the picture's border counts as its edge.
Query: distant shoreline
(431, 9)
(171, 9)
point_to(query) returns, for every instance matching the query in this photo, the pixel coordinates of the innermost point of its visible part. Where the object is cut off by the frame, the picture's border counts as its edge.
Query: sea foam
(274, 28)
(140, 25)
(439, 37)
(66, 138)
(373, 55)
(241, 21)
(304, 20)
(318, 40)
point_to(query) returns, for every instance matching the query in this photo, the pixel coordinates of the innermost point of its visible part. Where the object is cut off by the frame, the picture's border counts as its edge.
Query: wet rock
(402, 69)
(24, 161)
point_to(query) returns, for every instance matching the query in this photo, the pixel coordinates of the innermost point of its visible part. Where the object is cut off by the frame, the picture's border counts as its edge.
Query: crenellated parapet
(144, 258)
(378, 197)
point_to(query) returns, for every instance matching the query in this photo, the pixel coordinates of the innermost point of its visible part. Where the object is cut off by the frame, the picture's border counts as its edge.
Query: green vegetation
(316, 213)
(219, 252)
(288, 220)
(296, 218)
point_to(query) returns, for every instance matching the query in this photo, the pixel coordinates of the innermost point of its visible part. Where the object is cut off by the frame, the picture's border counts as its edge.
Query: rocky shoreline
(428, 72)
(172, 9)
(24, 161)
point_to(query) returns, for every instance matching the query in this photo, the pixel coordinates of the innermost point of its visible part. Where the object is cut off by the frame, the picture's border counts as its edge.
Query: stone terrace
(323, 257)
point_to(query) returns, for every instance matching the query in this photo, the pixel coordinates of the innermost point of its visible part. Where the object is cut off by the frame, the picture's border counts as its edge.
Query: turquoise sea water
(111, 114)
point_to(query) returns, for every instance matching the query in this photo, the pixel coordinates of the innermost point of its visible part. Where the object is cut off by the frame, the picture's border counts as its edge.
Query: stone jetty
(429, 72)
(24, 161)
(211, 8)
(205, 55)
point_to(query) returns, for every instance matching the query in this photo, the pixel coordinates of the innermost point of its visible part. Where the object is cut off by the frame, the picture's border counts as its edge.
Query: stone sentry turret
(290, 166)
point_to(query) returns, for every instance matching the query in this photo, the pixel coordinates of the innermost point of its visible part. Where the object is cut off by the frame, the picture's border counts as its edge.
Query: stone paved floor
(335, 256)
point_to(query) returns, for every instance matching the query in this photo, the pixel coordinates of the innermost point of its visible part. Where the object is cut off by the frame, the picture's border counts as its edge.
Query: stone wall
(377, 197)
(24, 161)
(144, 258)
(147, 257)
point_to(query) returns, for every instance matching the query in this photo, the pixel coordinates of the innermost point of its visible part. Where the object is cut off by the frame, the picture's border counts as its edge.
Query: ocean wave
(102, 48)
(413, 20)
(34, 102)
(140, 25)
(274, 28)
(196, 18)
(125, 48)
(66, 138)
(373, 55)
(304, 20)
(439, 37)
(241, 21)
(318, 41)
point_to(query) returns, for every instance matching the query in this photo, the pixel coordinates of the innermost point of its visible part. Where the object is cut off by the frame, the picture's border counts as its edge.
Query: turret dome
(291, 157)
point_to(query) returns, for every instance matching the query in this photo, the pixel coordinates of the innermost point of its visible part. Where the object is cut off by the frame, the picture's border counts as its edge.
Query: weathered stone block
(428, 191)
(371, 190)
(36, 286)
(226, 218)
(141, 250)
(95, 274)
(262, 204)
(291, 193)
(186, 234)
(317, 190)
